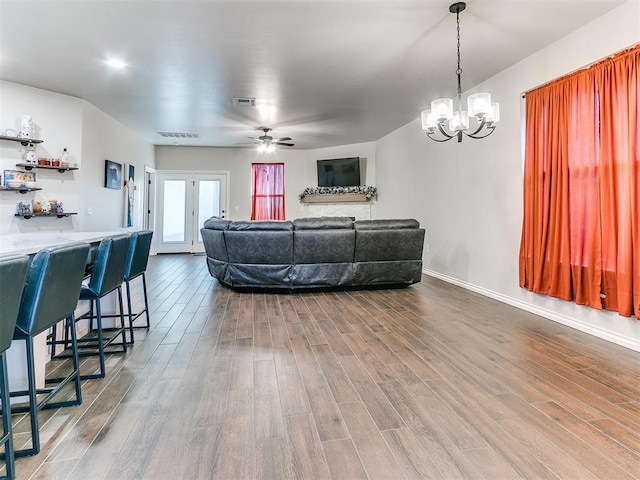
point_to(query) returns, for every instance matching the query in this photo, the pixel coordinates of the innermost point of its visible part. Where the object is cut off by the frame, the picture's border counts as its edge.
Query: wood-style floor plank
(426, 382)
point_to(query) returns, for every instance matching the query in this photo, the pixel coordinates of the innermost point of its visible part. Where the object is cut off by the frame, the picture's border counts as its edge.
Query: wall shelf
(19, 190)
(31, 166)
(335, 198)
(22, 141)
(54, 214)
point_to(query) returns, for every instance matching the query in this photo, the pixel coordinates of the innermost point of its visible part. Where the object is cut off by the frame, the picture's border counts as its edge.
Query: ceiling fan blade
(247, 143)
(284, 144)
(283, 139)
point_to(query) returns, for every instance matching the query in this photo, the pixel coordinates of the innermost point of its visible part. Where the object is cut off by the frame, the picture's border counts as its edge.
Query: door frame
(225, 196)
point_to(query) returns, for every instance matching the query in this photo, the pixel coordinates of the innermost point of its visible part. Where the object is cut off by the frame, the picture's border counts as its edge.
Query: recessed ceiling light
(116, 63)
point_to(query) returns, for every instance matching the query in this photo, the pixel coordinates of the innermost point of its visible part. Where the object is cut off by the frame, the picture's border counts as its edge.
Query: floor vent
(179, 135)
(243, 101)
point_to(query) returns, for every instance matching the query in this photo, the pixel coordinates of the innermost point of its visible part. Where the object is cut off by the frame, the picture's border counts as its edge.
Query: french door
(185, 201)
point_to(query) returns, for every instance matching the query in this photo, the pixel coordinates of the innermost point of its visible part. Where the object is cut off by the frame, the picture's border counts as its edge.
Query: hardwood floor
(431, 381)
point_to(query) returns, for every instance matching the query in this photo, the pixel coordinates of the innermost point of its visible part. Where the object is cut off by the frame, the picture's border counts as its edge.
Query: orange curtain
(267, 187)
(580, 233)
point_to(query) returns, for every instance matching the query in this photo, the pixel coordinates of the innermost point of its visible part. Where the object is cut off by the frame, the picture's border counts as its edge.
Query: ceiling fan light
(459, 121)
(442, 109)
(429, 121)
(262, 148)
(479, 104)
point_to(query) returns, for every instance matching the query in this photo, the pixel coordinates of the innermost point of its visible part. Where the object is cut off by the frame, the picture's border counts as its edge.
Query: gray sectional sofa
(307, 253)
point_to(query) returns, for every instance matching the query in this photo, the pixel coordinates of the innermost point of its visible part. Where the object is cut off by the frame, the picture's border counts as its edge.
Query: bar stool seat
(107, 275)
(13, 272)
(50, 295)
(136, 266)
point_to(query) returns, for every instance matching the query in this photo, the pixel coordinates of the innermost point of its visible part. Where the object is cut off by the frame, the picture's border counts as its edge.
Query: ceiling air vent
(179, 135)
(243, 101)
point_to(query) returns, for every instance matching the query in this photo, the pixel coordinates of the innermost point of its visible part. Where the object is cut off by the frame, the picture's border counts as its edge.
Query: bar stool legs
(7, 437)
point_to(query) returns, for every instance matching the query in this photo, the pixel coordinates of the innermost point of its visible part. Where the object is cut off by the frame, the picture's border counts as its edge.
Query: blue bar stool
(107, 275)
(50, 295)
(13, 272)
(137, 260)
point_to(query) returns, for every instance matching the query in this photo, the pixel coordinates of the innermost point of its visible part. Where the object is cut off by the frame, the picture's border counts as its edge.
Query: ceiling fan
(266, 143)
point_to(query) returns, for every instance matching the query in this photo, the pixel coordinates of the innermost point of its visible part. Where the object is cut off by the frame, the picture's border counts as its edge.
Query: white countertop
(30, 243)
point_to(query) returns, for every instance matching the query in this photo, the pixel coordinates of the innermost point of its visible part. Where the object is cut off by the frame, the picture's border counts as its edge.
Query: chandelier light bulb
(479, 104)
(442, 109)
(429, 121)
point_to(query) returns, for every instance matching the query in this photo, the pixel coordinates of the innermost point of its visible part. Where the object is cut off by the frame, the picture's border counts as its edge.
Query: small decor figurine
(29, 155)
(26, 129)
(59, 208)
(24, 209)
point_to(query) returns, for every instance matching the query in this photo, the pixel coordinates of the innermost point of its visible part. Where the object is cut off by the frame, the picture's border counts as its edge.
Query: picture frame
(112, 175)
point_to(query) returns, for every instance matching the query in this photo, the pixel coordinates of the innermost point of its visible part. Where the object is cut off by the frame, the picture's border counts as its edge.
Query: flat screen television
(339, 172)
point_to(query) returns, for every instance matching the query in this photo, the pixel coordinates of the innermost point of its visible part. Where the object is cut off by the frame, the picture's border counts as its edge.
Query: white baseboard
(613, 337)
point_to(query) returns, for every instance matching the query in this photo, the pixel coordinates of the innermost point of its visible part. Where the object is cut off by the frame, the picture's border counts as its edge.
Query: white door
(185, 201)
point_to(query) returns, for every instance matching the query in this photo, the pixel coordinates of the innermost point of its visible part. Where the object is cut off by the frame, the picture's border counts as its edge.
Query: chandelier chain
(459, 69)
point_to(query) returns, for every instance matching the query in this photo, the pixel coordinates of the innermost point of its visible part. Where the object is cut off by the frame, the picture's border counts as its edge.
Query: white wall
(90, 137)
(300, 170)
(469, 195)
(106, 139)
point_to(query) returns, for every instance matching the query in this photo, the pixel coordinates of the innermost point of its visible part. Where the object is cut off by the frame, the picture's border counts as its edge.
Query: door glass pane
(174, 211)
(208, 202)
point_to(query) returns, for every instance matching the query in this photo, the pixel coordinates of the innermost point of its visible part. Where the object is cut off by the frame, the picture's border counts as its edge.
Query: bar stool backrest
(52, 288)
(138, 254)
(108, 269)
(13, 273)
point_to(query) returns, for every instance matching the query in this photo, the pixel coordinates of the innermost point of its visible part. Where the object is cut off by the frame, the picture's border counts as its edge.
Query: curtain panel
(580, 233)
(267, 187)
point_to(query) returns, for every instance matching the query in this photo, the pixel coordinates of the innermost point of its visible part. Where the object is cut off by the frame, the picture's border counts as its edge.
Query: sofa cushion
(253, 225)
(259, 246)
(384, 245)
(323, 246)
(323, 223)
(386, 224)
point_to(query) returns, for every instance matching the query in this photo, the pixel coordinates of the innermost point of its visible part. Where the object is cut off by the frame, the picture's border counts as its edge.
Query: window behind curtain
(581, 223)
(267, 187)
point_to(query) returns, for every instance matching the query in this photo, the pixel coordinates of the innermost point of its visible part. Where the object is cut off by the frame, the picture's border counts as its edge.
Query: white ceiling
(324, 72)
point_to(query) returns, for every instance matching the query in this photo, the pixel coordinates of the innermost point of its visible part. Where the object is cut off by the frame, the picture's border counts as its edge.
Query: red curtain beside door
(267, 187)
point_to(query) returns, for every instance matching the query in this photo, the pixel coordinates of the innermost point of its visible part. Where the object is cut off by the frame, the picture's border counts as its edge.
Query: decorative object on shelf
(44, 162)
(29, 155)
(24, 209)
(26, 127)
(10, 132)
(479, 105)
(59, 207)
(10, 177)
(112, 175)
(368, 192)
(64, 158)
(43, 206)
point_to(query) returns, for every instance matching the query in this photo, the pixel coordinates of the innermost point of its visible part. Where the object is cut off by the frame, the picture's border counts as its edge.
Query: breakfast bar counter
(31, 243)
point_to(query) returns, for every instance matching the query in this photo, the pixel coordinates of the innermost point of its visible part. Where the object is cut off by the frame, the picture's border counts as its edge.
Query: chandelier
(442, 122)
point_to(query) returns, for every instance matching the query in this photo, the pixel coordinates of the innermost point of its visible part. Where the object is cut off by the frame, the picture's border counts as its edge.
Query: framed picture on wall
(112, 175)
